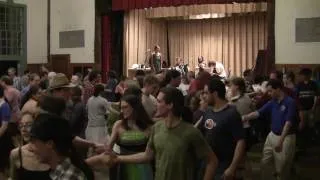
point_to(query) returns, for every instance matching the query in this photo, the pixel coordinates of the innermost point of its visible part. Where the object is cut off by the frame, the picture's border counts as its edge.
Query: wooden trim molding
(35, 68)
(312, 66)
(297, 67)
(83, 67)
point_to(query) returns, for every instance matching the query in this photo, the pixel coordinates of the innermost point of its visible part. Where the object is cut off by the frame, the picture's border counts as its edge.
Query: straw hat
(60, 80)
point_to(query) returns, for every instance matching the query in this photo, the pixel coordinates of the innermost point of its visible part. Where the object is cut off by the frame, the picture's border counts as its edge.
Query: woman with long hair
(24, 164)
(131, 133)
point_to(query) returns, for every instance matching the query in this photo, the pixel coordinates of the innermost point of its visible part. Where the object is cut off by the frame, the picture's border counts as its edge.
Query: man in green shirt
(174, 144)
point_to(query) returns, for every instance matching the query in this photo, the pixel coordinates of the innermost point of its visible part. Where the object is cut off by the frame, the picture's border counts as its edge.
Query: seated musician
(217, 68)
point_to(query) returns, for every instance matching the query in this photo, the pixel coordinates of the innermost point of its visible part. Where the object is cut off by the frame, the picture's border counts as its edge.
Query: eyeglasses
(26, 125)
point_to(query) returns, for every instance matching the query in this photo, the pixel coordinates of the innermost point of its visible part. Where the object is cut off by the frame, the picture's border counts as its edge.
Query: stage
(232, 35)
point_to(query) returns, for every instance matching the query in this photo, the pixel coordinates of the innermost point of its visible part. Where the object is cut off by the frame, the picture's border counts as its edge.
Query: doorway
(5, 65)
(60, 63)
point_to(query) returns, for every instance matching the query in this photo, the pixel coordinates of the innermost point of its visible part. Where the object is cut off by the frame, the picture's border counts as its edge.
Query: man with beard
(222, 127)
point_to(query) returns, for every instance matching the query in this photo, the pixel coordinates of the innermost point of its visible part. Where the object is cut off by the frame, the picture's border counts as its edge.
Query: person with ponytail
(51, 141)
(97, 130)
(97, 107)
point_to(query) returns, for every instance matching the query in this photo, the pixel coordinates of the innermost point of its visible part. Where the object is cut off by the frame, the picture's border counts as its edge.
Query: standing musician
(156, 60)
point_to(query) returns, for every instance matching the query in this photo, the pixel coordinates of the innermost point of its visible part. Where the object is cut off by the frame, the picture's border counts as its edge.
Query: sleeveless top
(24, 174)
(132, 142)
(156, 58)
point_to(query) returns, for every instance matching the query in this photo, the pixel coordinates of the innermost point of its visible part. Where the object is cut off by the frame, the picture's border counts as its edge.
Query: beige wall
(287, 50)
(36, 30)
(68, 15)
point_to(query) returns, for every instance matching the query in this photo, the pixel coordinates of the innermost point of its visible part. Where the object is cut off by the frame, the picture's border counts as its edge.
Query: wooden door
(60, 63)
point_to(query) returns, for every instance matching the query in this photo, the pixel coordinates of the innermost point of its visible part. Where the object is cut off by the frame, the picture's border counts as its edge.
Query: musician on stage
(181, 66)
(217, 68)
(201, 62)
(156, 60)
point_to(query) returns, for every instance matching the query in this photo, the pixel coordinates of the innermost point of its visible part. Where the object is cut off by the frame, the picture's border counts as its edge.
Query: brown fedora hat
(60, 80)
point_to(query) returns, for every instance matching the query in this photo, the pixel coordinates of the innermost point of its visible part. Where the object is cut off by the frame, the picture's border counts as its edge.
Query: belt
(276, 133)
(279, 134)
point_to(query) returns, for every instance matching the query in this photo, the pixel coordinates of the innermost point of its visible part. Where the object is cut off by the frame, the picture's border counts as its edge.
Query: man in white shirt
(217, 68)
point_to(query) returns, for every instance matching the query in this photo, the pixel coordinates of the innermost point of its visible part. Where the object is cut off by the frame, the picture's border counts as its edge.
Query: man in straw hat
(60, 87)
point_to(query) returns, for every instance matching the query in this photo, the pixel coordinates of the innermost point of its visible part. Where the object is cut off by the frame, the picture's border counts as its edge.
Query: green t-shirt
(176, 150)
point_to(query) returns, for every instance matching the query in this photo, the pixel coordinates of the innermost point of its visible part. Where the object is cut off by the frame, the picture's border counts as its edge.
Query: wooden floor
(306, 166)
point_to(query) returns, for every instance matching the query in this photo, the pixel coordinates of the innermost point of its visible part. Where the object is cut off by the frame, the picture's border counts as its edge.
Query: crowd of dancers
(165, 126)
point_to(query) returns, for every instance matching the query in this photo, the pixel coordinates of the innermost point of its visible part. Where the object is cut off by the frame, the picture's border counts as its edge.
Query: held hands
(102, 160)
(109, 159)
(229, 174)
(99, 148)
(102, 148)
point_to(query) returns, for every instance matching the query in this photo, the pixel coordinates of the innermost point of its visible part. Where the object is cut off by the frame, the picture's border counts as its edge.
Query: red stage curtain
(270, 56)
(106, 44)
(140, 4)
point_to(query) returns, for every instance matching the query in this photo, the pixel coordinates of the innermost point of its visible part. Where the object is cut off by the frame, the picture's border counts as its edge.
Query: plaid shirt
(67, 171)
